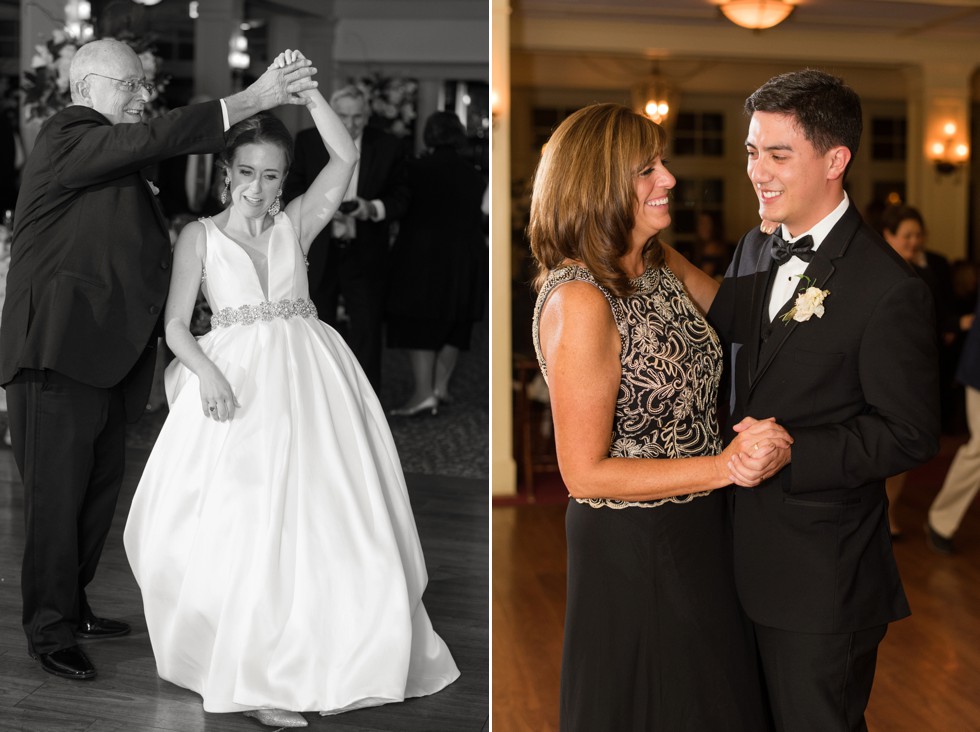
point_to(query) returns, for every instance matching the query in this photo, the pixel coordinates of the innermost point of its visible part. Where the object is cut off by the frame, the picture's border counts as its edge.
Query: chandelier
(651, 97)
(757, 14)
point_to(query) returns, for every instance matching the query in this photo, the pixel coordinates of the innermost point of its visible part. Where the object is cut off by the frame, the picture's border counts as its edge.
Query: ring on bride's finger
(212, 407)
(755, 446)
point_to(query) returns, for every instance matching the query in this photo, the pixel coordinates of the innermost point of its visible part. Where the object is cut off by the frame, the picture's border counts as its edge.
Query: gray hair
(349, 92)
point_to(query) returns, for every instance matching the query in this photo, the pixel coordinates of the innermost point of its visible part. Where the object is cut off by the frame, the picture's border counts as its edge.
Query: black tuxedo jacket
(858, 391)
(90, 258)
(381, 176)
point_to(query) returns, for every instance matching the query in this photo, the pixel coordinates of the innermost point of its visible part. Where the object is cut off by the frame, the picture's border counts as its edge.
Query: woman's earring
(225, 192)
(276, 206)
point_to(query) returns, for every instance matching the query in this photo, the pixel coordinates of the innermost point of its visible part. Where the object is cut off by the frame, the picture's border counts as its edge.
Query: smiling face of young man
(796, 185)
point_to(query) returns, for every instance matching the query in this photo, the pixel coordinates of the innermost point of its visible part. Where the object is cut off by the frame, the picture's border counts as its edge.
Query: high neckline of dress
(646, 281)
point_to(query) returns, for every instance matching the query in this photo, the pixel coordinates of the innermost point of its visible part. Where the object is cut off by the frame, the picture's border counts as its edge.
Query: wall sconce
(948, 156)
(494, 106)
(757, 14)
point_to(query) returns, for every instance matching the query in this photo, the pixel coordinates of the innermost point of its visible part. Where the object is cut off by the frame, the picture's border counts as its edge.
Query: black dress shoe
(69, 663)
(937, 542)
(95, 628)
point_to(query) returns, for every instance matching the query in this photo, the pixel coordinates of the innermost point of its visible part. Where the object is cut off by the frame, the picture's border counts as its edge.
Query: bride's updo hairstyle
(261, 128)
(583, 204)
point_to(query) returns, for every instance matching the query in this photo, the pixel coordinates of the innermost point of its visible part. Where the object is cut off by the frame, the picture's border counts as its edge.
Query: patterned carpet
(455, 443)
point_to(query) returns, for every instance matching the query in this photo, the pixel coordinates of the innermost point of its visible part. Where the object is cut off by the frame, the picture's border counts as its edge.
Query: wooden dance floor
(928, 677)
(127, 695)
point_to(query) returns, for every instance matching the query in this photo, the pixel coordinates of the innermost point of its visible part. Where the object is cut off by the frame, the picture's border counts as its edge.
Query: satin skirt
(277, 553)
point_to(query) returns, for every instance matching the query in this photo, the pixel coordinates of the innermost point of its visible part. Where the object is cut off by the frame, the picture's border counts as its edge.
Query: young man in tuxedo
(349, 258)
(851, 370)
(89, 273)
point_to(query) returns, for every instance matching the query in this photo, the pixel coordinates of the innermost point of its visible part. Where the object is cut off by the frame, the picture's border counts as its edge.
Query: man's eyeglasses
(130, 85)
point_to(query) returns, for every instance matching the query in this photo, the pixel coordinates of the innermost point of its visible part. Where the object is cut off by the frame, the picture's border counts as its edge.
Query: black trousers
(69, 445)
(347, 269)
(819, 682)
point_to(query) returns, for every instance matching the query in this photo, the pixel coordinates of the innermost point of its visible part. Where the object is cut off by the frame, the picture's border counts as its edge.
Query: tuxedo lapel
(760, 286)
(819, 271)
(157, 209)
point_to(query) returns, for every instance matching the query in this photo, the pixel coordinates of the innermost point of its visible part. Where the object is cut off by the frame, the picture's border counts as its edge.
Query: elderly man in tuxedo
(89, 274)
(348, 259)
(831, 333)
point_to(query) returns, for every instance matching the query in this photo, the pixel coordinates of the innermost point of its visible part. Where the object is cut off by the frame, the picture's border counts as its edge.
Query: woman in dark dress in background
(654, 637)
(436, 281)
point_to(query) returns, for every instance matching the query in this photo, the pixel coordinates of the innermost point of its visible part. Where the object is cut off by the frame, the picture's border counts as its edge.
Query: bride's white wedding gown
(277, 553)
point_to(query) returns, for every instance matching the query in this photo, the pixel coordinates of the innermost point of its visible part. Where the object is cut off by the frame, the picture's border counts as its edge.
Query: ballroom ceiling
(923, 19)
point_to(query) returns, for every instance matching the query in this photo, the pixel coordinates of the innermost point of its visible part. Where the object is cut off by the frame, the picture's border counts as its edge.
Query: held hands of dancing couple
(254, 178)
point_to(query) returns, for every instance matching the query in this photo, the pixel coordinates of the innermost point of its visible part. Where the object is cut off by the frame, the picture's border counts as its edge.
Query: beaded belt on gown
(248, 314)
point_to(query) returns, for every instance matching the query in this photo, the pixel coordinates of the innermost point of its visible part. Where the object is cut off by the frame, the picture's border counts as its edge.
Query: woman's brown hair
(583, 203)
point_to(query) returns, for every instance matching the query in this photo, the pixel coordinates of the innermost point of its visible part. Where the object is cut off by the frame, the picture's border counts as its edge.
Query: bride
(271, 532)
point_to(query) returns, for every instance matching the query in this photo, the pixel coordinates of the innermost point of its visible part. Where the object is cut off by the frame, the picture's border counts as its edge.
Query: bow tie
(783, 251)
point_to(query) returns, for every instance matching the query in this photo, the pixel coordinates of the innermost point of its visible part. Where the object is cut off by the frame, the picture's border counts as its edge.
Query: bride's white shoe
(277, 717)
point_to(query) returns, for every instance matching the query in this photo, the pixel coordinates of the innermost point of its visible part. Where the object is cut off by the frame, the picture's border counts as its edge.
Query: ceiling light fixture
(757, 14)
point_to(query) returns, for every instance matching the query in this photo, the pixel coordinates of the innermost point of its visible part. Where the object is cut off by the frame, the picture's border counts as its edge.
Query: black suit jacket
(381, 176)
(858, 391)
(90, 258)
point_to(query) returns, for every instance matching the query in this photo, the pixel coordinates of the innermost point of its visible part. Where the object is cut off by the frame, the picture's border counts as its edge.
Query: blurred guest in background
(189, 184)
(963, 479)
(904, 230)
(437, 275)
(347, 261)
(712, 253)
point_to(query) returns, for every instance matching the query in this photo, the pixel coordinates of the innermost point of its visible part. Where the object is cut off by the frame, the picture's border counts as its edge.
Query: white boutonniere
(156, 191)
(808, 303)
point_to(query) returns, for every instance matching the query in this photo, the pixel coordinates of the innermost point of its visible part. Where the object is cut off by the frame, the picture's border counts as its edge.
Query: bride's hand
(218, 400)
(284, 59)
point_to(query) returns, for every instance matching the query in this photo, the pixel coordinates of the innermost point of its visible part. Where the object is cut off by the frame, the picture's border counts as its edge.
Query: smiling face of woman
(255, 178)
(653, 184)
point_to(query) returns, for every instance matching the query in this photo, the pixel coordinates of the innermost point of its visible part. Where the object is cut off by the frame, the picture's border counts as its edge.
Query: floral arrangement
(808, 303)
(45, 87)
(392, 102)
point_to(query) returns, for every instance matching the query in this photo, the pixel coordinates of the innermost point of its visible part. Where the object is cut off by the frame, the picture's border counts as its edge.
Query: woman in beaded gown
(654, 638)
(271, 532)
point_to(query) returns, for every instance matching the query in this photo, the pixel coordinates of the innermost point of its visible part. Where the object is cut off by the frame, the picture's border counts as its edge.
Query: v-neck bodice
(232, 278)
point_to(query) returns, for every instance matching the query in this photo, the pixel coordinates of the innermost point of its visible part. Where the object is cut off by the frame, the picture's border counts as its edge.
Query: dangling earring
(225, 192)
(276, 206)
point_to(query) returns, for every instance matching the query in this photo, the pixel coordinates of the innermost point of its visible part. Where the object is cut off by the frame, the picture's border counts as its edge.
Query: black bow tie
(783, 251)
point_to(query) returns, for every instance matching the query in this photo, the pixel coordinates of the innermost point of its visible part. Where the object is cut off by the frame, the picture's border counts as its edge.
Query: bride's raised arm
(313, 209)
